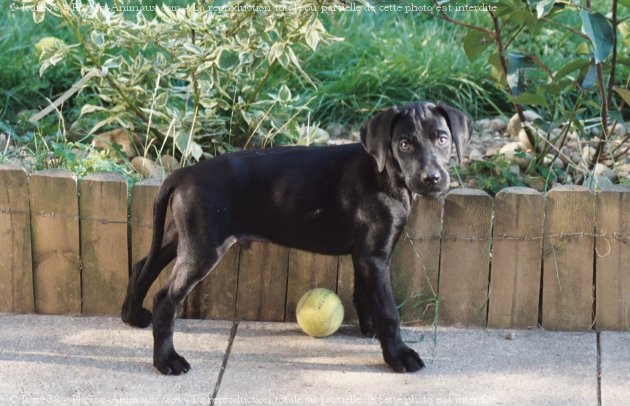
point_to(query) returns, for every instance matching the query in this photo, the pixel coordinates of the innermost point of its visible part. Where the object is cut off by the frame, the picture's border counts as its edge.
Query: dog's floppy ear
(460, 125)
(376, 135)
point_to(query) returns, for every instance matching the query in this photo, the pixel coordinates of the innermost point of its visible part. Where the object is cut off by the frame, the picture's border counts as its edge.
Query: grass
(387, 59)
(21, 88)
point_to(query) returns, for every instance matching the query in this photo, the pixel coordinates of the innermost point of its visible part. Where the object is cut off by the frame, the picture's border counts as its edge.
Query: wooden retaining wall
(512, 261)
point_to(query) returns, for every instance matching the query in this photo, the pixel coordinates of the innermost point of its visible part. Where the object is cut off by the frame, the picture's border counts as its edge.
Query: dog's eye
(443, 139)
(404, 145)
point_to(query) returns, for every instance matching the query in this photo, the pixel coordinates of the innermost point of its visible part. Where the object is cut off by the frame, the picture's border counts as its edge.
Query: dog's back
(299, 193)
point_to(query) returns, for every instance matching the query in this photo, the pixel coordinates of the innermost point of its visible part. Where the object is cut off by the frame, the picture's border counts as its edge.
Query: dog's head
(416, 141)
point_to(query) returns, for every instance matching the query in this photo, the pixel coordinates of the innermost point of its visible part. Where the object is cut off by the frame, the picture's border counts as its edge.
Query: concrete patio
(100, 360)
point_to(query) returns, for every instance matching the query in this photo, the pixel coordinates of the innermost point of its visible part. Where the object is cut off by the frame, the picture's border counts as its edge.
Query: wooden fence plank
(345, 288)
(613, 259)
(142, 196)
(16, 268)
(416, 263)
(568, 259)
(308, 271)
(262, 282)
(516, 258)
(215, 296)
(104, 251)
(55, 242)
(465, 257)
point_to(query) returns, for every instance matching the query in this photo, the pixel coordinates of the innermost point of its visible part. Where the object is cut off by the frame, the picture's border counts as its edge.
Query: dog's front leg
(373, 271)
(362, 304)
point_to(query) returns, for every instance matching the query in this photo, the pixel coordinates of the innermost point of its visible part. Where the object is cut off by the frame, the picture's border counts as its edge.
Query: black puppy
(349, 199)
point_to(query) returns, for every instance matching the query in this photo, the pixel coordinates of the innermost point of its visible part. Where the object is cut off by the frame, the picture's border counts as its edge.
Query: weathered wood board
(416, 263)
(55, 242)
(16, 267)
(516, 258)
(567, 302)
(465, 257)
(612, 309)
(104, 250)
(262, 282)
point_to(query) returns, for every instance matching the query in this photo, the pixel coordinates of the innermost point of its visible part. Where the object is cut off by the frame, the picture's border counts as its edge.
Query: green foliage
(599, 32)
(392, 58)
(562, 59)
(195, 82)
(193, 78)
(38, 151)
(493, 174)
(21, 87)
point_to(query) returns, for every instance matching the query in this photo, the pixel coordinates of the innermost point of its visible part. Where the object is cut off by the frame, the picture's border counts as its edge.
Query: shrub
(194, 79)
(579, 82)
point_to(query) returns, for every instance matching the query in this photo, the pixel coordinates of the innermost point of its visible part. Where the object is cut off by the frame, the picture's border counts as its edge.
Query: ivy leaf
(38, 16)
(228, 60)
(531, 99)
(524, 16)
(100, 124)
(475, 42)
(193, 48)
(590, 77)
(98, 38)
(284, 59)
(89, 108)
(187, 146)
(276, 51)
(113, 63)
(599, 31)
(543, 7)
(39, 11)
(284, 95)
(582, 49)
(624, 93)
(494, 60)
(196, 151)
(312, 38)
(569, 68)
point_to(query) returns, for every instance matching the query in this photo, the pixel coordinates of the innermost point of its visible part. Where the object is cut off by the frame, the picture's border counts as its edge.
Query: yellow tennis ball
(319, 312)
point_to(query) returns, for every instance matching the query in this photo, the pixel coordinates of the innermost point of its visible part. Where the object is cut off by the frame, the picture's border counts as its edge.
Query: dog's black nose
(432, 178)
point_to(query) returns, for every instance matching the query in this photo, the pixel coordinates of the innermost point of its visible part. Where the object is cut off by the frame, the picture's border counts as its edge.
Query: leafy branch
(565, 96)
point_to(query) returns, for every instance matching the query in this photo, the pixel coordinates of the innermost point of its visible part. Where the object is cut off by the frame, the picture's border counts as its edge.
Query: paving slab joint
(599, 369)
(224, 363)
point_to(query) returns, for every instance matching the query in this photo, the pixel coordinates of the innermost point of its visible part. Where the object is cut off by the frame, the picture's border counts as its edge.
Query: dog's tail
(160, 206)
(146, 271)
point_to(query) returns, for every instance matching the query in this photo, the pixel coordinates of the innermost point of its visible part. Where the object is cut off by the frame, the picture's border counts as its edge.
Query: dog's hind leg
(192, 265)
(142, 277)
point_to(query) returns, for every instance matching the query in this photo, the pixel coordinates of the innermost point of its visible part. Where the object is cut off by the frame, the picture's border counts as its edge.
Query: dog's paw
(171, 364)
(403, 359)
(139, 318)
